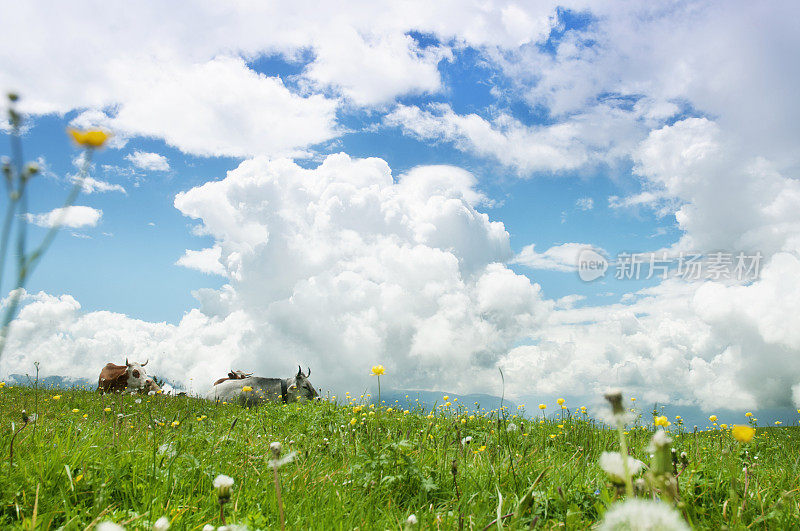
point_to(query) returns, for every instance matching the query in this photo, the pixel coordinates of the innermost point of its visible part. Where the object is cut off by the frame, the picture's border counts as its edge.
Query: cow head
(302, 389)
(137, 376)
(151, 386)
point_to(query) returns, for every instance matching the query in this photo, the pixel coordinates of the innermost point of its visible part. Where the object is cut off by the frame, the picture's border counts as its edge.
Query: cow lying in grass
(252, 390)
(129, 377)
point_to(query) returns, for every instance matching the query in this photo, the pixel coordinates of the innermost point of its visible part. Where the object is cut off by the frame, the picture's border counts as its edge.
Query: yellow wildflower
(748, 414)
(542, 406)
(560, 401)
(56, 397)
(91, 139)
(743, 433)
(175, 423)
(107, 410)
(353, 421)
(712, 418)
(662, 421)
(377, 370)
(247, 388)
(75, 410)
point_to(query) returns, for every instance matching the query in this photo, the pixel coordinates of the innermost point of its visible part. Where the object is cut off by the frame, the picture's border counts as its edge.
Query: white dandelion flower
(222, 482)
(288, 458)
(512, 427)
(138, 400)
(660, 439)
(162, 524)
(411, 520)
(276, 447)
(642, 515)
(611, 463)
(109, 526)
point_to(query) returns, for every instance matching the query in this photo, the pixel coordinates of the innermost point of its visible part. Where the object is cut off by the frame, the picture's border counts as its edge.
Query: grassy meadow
(85, 459)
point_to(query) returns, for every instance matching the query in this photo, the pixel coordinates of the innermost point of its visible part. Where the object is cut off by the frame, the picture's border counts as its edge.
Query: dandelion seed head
(611, 463)
(644, 515)
(222, 481)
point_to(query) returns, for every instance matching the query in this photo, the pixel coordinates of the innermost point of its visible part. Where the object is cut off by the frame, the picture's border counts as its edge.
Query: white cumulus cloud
(73, 217)
(338, 267)
(148, 161)
(205, 260)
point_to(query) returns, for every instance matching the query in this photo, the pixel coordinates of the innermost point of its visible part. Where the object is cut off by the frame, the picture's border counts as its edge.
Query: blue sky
(327, 188)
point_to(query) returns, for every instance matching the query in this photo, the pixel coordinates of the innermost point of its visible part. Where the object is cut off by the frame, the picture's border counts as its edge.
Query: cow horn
(299, 371)
(146, 362)
(126, 361)
(309, 372)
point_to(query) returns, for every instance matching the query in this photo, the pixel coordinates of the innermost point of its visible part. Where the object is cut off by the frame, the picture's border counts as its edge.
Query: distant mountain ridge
(58, 382)
(431, 399)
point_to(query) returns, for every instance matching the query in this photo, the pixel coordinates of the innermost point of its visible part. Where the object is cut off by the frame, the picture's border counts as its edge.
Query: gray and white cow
(255, 389)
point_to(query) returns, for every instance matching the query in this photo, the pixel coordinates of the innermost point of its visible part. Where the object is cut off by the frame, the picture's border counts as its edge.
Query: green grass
(369, 475)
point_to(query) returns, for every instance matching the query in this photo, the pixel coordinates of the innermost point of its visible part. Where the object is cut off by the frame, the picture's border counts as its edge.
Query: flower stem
(623, 450)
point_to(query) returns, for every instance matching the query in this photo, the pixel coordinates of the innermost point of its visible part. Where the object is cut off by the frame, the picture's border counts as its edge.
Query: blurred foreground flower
(162, 524)
(611, 463)
(223, 485)
(91, 139)
(743, 433)
(109, 526)
(642, 514)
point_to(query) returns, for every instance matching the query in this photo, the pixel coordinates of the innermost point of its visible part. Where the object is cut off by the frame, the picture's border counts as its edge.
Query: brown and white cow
(234, 375)
(131, 376)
